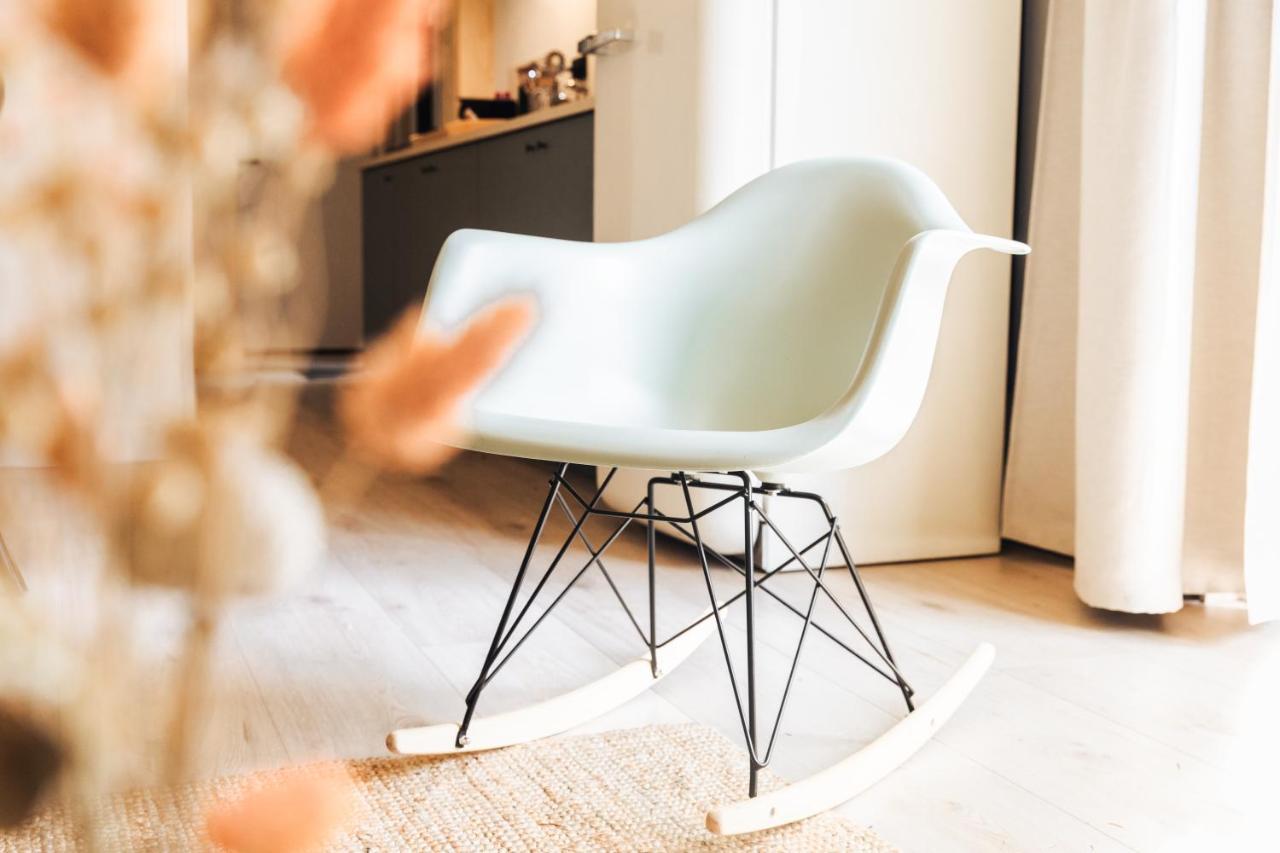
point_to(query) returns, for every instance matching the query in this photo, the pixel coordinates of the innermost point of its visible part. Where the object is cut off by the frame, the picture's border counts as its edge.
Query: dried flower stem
(192, 680)
(10, 577)
(348, 479)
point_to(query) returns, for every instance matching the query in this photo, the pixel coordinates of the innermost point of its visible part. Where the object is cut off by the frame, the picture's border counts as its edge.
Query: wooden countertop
(441, 139)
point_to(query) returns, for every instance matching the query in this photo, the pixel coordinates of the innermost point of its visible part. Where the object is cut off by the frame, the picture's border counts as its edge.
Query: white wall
(525, 30)
(682, 115)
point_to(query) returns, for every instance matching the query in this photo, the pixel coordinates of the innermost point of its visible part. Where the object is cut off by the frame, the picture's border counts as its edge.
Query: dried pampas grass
(295, 811)
(124, 211)
(30, 757)
(104, 32)
(401, 410)
(353, 60)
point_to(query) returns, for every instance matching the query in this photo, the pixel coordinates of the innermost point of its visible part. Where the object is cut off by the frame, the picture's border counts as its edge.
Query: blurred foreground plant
(130, 247)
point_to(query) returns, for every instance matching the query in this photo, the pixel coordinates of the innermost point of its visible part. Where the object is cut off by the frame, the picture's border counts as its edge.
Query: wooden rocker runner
(791, 328)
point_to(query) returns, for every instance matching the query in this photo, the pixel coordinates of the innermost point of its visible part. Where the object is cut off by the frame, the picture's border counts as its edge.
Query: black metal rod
(644, 516)
(749, 578)
(653, 584)
(906, 688)
(778, 598)
(555, 562)
(721, 558)
(907, 691)
(831, 596)
(586, 540)
(795, 660)
(737, 595)
(591, 560)
(715, 611)
(474, 695)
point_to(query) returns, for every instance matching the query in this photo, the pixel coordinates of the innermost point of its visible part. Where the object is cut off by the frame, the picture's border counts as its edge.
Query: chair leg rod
(474, 695)
(9, 569)
(555, 561)
(875, 621)
(586, 540)
(749, 577)
(715, 612)
(818, 499)
(591, 560)
(653, 583)
(760, 583)
(884, 655)
(795, 660)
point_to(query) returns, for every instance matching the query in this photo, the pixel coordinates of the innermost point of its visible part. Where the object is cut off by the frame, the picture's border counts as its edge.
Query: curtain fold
(1145, 434)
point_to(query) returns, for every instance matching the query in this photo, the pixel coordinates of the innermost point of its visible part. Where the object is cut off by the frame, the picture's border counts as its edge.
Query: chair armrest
(890, 385)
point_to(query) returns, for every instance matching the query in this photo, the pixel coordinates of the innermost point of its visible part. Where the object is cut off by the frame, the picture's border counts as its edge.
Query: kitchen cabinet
(383, 196)
(551, 167)
(440, 198)
(535, 180)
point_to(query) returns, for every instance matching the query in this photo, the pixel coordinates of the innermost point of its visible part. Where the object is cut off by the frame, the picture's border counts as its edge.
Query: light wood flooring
(1092, 732)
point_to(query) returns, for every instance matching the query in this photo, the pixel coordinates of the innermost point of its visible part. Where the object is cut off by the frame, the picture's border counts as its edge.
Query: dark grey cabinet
(383, 194)
(545, 163)
(441, 198)
(534, 181)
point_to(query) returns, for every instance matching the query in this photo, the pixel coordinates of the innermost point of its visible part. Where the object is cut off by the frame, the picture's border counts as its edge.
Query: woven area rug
(635, 789)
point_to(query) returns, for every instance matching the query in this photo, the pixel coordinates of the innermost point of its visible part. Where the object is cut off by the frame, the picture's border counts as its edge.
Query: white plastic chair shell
(790, 328)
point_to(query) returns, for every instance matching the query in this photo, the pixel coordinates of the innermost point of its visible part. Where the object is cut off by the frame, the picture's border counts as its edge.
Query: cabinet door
(383, 197)
(411, 207)
(538, 181)
(441, 200)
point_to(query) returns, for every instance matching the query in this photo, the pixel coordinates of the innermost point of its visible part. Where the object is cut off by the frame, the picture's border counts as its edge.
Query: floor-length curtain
(1145, 435)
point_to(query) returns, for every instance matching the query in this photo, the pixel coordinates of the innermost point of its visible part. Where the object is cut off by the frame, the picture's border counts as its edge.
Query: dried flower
(163, 246)
(356, 63)
(300, 810)
(104, 32)
(221, 516)
(30, 759)
(402, 409)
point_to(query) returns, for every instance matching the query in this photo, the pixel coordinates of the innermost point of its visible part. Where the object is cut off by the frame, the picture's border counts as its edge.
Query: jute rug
(636, 789)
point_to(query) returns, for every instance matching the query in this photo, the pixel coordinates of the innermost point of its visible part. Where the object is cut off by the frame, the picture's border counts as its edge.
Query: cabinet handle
(386, 179)
(529, 148)
(540, 145)
(430, 169)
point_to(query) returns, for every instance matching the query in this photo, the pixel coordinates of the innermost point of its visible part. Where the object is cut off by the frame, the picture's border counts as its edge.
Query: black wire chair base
(511, 632)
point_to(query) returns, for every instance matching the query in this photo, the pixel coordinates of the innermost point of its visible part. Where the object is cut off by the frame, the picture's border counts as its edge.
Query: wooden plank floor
(1093, 731)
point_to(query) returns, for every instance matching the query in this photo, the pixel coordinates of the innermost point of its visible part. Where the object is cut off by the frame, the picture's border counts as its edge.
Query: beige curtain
(1146, 413)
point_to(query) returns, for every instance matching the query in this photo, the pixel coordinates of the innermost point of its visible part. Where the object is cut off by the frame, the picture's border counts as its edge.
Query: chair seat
(692, 450)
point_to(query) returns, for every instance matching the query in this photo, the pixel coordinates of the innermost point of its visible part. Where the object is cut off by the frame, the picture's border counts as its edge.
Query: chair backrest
(756, 315)
(784, 280)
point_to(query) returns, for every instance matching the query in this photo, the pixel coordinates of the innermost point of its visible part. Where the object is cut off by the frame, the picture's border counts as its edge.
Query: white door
(682, 110)
(711, 93)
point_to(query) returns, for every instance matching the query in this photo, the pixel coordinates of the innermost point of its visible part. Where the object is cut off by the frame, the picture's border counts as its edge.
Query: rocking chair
(791, 328)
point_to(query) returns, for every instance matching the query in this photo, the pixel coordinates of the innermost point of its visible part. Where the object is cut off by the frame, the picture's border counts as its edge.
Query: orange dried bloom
(104, 32)
(403, 407)
(357, 63)
(301, 810)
